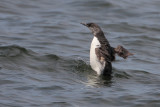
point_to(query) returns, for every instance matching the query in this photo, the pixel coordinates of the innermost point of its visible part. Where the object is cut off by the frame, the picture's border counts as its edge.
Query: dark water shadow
(121, 74)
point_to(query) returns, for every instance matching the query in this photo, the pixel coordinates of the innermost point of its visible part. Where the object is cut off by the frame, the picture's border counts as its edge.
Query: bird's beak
(84, 24)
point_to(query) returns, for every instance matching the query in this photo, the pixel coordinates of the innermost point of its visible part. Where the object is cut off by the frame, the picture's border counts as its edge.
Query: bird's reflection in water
(99, 81)
(94, 80)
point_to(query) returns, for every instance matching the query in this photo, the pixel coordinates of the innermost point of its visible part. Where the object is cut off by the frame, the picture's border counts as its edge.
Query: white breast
(94, 62)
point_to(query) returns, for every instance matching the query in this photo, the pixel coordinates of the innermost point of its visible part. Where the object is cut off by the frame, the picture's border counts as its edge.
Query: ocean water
(44, 53)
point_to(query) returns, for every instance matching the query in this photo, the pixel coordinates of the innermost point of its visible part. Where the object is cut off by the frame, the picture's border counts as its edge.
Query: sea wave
(13, 51)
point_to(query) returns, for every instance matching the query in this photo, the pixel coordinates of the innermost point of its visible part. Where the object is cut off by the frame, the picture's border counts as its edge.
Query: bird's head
(93, 27)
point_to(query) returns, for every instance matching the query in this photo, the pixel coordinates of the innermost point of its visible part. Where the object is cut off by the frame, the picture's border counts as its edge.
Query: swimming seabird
(101, 52)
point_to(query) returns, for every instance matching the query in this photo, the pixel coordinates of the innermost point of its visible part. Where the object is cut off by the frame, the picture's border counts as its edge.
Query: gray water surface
(44, 53)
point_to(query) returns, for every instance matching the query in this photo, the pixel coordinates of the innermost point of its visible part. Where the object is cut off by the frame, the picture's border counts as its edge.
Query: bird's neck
(100, 36)
(97, 32)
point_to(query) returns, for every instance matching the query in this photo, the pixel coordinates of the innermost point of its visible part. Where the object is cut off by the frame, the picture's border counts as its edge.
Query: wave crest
(12, 51)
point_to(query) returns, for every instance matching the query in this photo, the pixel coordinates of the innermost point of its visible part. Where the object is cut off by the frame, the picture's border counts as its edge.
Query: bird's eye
(89, 24)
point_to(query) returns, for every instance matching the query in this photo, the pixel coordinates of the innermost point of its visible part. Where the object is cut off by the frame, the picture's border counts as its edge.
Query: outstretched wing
(122, 52)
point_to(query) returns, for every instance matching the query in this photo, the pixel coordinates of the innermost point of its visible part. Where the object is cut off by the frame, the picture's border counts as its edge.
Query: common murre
(101, 53)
